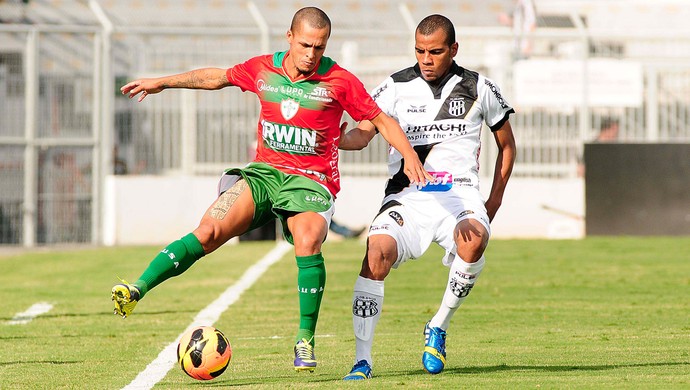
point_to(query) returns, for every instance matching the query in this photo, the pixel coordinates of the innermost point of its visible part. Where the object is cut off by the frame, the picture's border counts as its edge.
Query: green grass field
(599, 313)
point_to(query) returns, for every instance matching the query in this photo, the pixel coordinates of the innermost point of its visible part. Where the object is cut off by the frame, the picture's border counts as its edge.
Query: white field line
(34, 311)
(276, 337)
(167, 358)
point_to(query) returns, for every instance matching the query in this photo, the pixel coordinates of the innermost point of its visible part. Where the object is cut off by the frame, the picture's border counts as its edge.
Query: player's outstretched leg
(125, 297)
(361, 370)
(172, 261)
(434, 356)
(304, 356)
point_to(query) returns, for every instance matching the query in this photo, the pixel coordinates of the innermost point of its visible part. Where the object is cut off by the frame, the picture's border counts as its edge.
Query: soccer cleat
(125, 297)
(360, 371)
(304, 356)
(434, 356)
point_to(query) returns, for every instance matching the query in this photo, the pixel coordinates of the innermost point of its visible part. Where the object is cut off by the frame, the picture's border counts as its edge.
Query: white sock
(461, 279)
(367, 303)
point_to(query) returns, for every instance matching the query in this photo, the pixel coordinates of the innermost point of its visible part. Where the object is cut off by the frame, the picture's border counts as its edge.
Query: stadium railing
(64, 126)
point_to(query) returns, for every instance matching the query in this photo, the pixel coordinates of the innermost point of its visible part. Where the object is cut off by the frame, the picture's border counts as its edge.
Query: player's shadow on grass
(559, 368)
(153, 313)
(53, 362)
(98, 313)
(227, 380)
(324, 378)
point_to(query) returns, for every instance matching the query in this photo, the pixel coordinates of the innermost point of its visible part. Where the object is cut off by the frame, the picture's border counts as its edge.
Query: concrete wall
(157, 210)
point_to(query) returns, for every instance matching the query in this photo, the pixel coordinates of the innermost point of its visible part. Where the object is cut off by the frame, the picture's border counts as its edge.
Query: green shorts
(279, 195)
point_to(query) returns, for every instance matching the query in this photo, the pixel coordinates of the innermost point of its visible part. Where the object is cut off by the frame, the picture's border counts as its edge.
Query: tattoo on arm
(194, 79)
(226, 200)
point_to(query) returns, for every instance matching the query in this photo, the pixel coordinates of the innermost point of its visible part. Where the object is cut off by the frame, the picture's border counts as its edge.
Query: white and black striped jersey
(443, 123)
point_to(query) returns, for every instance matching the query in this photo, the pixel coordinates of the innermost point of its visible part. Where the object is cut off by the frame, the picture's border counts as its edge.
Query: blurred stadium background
(79, 163)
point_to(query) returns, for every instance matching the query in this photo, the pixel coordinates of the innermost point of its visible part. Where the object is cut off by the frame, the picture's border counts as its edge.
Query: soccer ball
(204, 353)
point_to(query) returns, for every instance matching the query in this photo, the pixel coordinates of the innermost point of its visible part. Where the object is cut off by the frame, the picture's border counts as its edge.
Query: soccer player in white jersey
(441, 107)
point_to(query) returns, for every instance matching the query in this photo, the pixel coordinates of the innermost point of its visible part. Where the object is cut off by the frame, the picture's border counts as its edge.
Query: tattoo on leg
(226, 200)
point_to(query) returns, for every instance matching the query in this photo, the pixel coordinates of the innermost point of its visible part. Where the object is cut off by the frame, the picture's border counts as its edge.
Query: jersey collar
(437, 88)
(322, 68)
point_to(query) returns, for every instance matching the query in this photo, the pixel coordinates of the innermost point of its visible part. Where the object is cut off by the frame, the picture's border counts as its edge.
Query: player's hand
(143, 88)
(343, 129)
(414, 169)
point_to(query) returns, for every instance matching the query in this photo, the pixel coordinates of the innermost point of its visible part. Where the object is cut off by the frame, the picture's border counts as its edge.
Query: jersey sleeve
(357, 101)
(496, 108)
(243, 75)
(384, 96)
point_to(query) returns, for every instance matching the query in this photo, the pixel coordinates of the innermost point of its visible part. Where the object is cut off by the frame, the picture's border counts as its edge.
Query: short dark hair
(312, 15)
(608, 122)
(431, 23)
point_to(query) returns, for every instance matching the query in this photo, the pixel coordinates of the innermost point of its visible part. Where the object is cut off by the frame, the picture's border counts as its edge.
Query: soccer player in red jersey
(294, 176)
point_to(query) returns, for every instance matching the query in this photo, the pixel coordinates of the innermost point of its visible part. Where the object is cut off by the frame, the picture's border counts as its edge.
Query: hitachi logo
(436, 127)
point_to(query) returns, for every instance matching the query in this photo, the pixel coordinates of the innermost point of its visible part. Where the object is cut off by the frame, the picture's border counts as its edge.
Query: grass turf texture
(596, 313)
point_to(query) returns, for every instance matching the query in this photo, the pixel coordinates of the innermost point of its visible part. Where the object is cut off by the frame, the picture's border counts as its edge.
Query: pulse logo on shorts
(465, 212)
(443, 181)
(374, 228)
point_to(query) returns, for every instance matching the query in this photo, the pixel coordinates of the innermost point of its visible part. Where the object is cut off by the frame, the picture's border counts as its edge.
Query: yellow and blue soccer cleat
(125, 297)
(434, 356)
(304, 356)
(360, 371)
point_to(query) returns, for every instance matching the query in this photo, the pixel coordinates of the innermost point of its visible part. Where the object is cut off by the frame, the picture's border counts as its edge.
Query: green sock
(176, 258)
(311, 280)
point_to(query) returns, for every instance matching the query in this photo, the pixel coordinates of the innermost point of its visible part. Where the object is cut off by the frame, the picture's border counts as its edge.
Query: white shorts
(420, 218)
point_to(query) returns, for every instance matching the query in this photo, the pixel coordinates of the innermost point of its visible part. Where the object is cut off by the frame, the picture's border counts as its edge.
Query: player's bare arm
(391, 132)
(357, 138)
(205, 78)
(504, 167)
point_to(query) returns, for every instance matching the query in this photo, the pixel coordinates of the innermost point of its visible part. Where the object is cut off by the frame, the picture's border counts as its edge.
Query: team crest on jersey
(456, 107)
(289, 108)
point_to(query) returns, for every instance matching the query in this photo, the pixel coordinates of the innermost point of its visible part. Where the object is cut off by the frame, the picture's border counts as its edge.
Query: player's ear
(454, 49)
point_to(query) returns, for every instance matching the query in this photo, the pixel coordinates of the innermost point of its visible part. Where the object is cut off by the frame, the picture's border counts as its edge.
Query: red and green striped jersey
(299, 122)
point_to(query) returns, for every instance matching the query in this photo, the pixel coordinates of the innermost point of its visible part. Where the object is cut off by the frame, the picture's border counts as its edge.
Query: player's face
(434, 56)
(307, 45)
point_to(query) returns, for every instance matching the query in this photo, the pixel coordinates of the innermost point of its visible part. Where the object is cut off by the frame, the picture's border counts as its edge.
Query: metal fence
(64, 126)
(49, 135)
